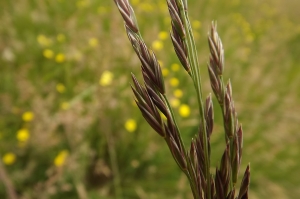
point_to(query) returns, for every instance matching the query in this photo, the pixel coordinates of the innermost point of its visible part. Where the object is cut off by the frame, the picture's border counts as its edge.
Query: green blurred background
(68, 124)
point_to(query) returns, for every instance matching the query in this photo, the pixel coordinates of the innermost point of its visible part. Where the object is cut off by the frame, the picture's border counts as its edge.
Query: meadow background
(68, 124)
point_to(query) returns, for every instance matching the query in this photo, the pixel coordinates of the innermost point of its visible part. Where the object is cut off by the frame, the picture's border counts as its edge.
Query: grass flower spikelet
(156, 108)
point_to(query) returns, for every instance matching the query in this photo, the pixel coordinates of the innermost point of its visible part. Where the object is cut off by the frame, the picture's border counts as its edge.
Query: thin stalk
(193, 186)
(193, 59)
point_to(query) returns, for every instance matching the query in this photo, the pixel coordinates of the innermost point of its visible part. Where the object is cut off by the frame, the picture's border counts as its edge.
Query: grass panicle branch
(153, 103)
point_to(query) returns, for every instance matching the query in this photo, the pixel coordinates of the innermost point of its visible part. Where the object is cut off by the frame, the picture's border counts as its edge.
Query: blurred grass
(261, 42)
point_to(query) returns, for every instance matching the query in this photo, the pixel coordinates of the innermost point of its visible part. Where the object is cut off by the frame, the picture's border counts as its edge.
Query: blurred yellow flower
(157, 45)
(61, 157)
(23, 135)
(106, 78)
(160, 63)
(184, 110)
(28, 116)
(61, 38)
(163, 116)
(163, 35)
(65, 106)
(93, 42)
(174, 82)
(9, 158)
(175, 67)
(147, 7)
(130, 125)
(102, 10)
(82, 3)
(43, 40)
(196, 24)
(60, 58)
(175, 102)
(48, 53)
(165, 72)
(135, 2)
(249, 37)
(178, 93)
(60, 88)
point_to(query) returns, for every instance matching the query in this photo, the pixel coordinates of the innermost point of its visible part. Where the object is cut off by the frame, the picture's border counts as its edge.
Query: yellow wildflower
(93, 42)
(184, 110)
(61, 38)
(157, 45)
(48, 53)
(106, 78)
(65, 106)
(9, 158)
(61, 157)
(147, 7)
(60, 88)
(178, 93)
(196, 24)
(28, 116)
(174, 82)
(82, 3)
(175, 102)
(163, 116)
(43, 40)
(175, 67)
(60, 58)
(135, 2)
(165, 72)
(163, 35)
(160, 63)
(23, 135)
(130, 125)
(102, 10)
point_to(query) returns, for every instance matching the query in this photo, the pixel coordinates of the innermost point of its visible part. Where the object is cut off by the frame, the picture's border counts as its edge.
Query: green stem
(192, 183)
(193, 59)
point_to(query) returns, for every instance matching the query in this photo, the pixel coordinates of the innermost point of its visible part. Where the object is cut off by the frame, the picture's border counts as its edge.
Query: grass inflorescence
(151, 99)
